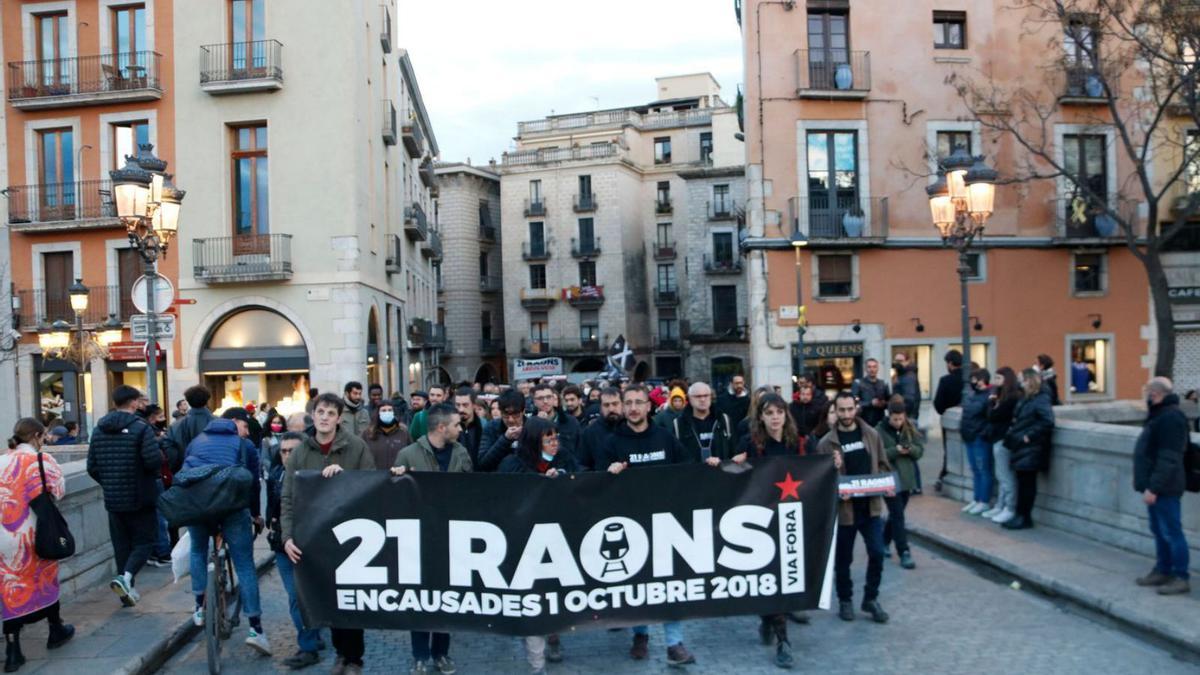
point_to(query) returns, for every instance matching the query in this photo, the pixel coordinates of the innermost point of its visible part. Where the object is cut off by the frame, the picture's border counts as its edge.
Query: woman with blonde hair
(31, 590)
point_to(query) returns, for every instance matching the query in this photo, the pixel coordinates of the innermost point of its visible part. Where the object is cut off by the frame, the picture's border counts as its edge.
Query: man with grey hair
(706, 435)
(1158, 474)
(298, 422)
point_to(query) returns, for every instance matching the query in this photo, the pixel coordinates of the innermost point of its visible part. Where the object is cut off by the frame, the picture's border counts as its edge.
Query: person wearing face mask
(275, 428)
(386, 436)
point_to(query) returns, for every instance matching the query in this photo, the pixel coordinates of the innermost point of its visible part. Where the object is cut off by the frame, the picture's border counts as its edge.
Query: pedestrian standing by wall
(1045, 366)
(1159, 475)
(1029, 441)
(30, 583)
(974, 431)
(948, 395)
(1002, 403)
(903, 445)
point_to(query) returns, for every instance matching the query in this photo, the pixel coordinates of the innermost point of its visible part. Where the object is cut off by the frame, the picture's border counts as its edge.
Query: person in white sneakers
(1002, 402)
(974, 430)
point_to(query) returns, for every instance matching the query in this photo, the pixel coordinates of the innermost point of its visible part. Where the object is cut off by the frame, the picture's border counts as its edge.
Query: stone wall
(1089, 488)
(83, 507)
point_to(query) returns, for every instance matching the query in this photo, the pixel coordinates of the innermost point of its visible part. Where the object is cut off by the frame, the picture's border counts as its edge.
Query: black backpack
(1191, 467)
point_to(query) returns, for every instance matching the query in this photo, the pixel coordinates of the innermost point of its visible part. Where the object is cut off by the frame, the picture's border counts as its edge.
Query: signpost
(150, 291)
(163, 327)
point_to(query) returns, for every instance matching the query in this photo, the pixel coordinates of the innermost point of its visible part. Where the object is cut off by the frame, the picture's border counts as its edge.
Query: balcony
(426, 172)
(585, 248)
(432, 248)
(385, 35)
(666, 297)
(849, 218)
(538, 347)
(389, 123)
(241, 67)
(538, 156)
(489, 284)
(414, 138)
(534, 251)
(615, 119)
(242, 259)
(722, 209)
(722, 265)
(1077, 220)
(585, 202)
(538, 298)
(667, 343)
(84, 80)
(584, 297)
(535, 208)
(663, 207)
(736, 333)
(424, 334)
(592, 345)
(395, 255)
(84, 204)
(36, 307)
(832, 74)
(415, 225)
(491, 347)
(665, 250)
(487, 234)
(1083, 85)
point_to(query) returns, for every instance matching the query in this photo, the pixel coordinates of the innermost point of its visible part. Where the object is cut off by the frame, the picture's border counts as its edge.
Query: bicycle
(222, 602)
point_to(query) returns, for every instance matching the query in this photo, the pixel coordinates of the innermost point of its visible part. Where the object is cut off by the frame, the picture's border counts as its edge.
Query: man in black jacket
(948, 395)
(872, 394)
(735, 400)
(1158, 474)
(472, 427)
(704, 434)
(124, 458)
(189, 426)
(594, 438)
(500, 437)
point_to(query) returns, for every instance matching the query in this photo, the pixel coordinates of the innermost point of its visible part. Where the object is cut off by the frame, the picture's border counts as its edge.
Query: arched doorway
(254, 355)
(442, 376)
(373, 366)
(641, 371)
(486, 373)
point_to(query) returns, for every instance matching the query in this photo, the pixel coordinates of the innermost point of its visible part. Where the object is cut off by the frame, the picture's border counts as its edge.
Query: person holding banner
(904, 447)
(638, 443)
(437, 450)
(858, 451)
(328, 448)
(590, 455)
(538, 452)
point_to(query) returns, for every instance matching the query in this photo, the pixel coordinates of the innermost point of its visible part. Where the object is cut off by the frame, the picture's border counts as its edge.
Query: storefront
(833, 365)
(127, 365)
(62, 396)
(256, 355)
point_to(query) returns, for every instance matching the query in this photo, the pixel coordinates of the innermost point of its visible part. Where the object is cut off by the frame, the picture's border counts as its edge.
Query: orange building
(845, 109)
(87, 81)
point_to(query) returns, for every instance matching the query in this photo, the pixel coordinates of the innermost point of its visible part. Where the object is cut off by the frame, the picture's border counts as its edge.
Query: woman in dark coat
(1002, 403)
(1029, 440)
(386, 436)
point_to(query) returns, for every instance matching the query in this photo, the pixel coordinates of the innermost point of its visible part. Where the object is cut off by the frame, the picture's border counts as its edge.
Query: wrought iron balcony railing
(244, 258)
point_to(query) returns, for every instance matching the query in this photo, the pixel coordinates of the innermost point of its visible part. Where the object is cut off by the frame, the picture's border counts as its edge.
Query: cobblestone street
(944, 618)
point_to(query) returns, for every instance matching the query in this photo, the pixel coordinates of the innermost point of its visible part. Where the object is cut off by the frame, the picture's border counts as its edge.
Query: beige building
(306, 242)
(470, 304)
(605, 236)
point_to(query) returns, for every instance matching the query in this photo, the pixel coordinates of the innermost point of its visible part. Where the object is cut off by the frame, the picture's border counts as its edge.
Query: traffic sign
(139, 327)
(164, 293)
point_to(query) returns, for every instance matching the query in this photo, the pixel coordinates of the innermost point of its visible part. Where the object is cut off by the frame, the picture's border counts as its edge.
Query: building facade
(307, 240)
(470, 302)
(846, 111)
(87, 82)
(607, 227)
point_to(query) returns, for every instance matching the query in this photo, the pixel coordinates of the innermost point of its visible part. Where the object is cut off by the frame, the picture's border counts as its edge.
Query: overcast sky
(485, 65)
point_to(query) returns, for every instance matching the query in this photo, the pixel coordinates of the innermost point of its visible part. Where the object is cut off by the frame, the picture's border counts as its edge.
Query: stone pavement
(945, 618)
(1094, 575)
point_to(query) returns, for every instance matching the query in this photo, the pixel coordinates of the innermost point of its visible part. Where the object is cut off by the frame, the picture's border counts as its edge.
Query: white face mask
(387, 417)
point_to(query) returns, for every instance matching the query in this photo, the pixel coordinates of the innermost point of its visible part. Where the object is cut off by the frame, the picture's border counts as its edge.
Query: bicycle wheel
(213, 608)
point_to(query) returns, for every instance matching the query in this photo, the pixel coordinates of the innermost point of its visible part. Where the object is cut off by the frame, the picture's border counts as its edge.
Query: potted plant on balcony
(843, 76)
(853, 222)
(1093, 86)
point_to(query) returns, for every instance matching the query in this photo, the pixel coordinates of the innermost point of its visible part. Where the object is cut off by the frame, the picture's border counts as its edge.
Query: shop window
(1090, 372)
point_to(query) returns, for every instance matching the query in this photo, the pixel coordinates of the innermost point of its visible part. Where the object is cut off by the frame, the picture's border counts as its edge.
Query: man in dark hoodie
(735, 400)
(705, 434)
(806, 410)
(638, 443)
(189, 426)
(472, 426)
(124, 458)
(592, 441)
(500, 437)
(1158, 473)
(948, 395)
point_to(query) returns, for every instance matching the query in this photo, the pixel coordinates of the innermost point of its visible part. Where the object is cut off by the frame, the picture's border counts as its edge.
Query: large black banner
(529, 555)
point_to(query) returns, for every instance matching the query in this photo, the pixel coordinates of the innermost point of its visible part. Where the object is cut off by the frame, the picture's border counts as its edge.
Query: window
(539, 327)
(706, 147)
(585, 188)
(535, 192)
(483, 264)
(129, 270)
(129, 39)
(1084, 162)
(56, 173)
(537, 276)
(721, 202)
(126, 137)
(1079, 42)
(664, 236)
(587, 273)
(250, 185)
(589, 327)
(1088, 273)
(247, 32)
(58, 272)
(835, 275)
(662, 150)
(828, 46)
(537, 238)
(948, 141)
(724, 309)
(663, 198)
(666, 278)
(53, 48)
(485, 325)
(978, 264)
(668, 329)
(723, 248)
(587, 235)
(1191, 154)
(1090, 372)
(949, 30)
(485, 215)
(832, 181)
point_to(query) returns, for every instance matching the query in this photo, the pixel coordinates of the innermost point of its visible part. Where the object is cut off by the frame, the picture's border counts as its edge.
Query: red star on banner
(789, 487)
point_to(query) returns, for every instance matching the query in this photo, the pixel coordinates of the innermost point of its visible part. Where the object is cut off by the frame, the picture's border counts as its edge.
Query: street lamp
(148, 204)
(799, 241)
(960, 202)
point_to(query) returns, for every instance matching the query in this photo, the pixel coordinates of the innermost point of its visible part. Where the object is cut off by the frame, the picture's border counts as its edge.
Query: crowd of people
(552, 429)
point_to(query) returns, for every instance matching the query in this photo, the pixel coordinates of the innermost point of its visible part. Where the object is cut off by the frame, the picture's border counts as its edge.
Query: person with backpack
(1158, 473)
(225, 443)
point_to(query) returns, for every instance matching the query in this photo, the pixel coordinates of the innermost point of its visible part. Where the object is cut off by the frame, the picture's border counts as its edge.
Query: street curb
(163, 649)
(1128, 618)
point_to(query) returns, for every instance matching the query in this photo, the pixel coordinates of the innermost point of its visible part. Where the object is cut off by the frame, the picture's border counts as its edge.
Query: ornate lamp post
(148, 203)
(799, 241)
(961, 202)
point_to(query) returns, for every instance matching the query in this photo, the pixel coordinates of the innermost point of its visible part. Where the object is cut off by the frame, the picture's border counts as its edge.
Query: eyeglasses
(544, 397)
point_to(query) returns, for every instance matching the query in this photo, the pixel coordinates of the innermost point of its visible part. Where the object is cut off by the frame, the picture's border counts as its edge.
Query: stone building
(607, 230)
(469, 298)
(308, 236)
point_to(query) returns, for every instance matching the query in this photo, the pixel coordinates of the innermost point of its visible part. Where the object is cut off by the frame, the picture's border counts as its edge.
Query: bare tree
(1137, 61)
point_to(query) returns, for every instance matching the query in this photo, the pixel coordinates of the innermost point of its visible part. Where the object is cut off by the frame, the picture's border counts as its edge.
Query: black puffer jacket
(1034, 419)
(1158, 455)
(975, 417)
(124, 458)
